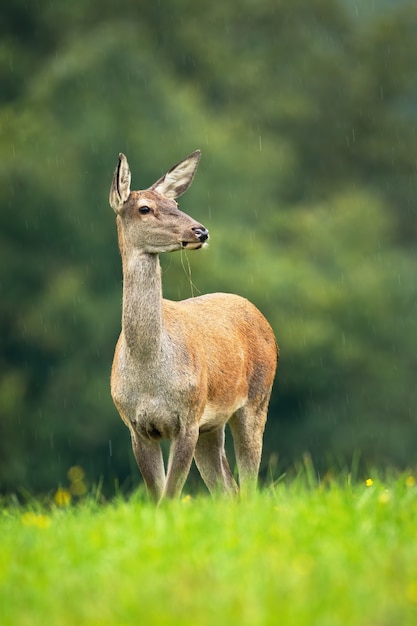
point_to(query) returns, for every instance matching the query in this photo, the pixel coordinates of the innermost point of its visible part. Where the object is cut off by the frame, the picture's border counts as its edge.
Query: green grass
(298, 554)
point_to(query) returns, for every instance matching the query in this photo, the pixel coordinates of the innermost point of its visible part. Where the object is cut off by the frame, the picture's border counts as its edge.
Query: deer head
(150, 220)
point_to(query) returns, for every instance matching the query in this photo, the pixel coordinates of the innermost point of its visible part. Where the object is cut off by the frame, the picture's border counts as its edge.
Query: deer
(183, 370)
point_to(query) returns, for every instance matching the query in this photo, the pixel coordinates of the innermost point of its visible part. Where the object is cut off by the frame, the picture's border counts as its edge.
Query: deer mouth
(191, 245)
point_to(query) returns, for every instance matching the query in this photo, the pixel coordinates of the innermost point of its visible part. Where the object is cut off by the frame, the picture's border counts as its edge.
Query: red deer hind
(182, 370)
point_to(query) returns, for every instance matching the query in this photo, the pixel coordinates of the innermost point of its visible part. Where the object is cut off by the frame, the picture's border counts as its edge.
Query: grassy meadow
(298, 553)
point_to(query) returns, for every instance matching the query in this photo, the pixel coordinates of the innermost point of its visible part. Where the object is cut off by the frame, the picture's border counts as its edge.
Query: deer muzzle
(201, 235)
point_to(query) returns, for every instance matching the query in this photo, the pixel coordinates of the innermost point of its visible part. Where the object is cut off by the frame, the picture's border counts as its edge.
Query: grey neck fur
(142, 324)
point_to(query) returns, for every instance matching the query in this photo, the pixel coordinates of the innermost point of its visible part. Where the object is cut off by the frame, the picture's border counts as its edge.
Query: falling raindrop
(110, 448)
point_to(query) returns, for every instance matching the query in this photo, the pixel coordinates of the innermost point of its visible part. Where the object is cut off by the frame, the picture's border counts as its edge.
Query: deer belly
(214, 416)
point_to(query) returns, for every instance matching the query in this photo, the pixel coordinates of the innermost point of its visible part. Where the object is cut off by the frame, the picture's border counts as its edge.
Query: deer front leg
(148, 455)
(179, 462)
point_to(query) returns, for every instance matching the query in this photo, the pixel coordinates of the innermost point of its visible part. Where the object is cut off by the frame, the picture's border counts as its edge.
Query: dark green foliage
(306, 113)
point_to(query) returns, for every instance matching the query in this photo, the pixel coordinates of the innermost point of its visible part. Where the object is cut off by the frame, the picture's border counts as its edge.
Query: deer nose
(201, 233)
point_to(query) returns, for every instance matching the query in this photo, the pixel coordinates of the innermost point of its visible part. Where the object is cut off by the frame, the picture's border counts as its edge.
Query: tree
(305, 115)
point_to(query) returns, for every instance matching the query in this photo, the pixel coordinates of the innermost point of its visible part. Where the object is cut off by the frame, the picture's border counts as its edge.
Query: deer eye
(143, 210)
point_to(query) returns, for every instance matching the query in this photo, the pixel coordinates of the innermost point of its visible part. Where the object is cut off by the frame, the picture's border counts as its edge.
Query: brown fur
(182, 370)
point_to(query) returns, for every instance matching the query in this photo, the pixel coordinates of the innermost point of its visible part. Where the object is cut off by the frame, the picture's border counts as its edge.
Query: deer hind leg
(247, 426)
(212, 463)
(150, 461)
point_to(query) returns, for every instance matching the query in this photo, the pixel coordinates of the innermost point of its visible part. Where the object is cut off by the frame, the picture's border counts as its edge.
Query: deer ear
(120, 187)
(179, 177)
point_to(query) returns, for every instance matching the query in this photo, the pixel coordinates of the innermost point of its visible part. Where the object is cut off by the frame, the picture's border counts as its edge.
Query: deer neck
(142, 324)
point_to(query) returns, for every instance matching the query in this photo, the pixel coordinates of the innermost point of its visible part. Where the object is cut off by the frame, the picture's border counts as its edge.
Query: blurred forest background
(306, 114)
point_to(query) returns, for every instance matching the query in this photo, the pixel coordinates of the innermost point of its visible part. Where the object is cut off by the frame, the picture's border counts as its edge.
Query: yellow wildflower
(62, 497)
(369, 482)
(410, 481)
(76, 473)
(36, 519)
(78, 488)
(186, 499)
(385, 497)
(411, 592)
